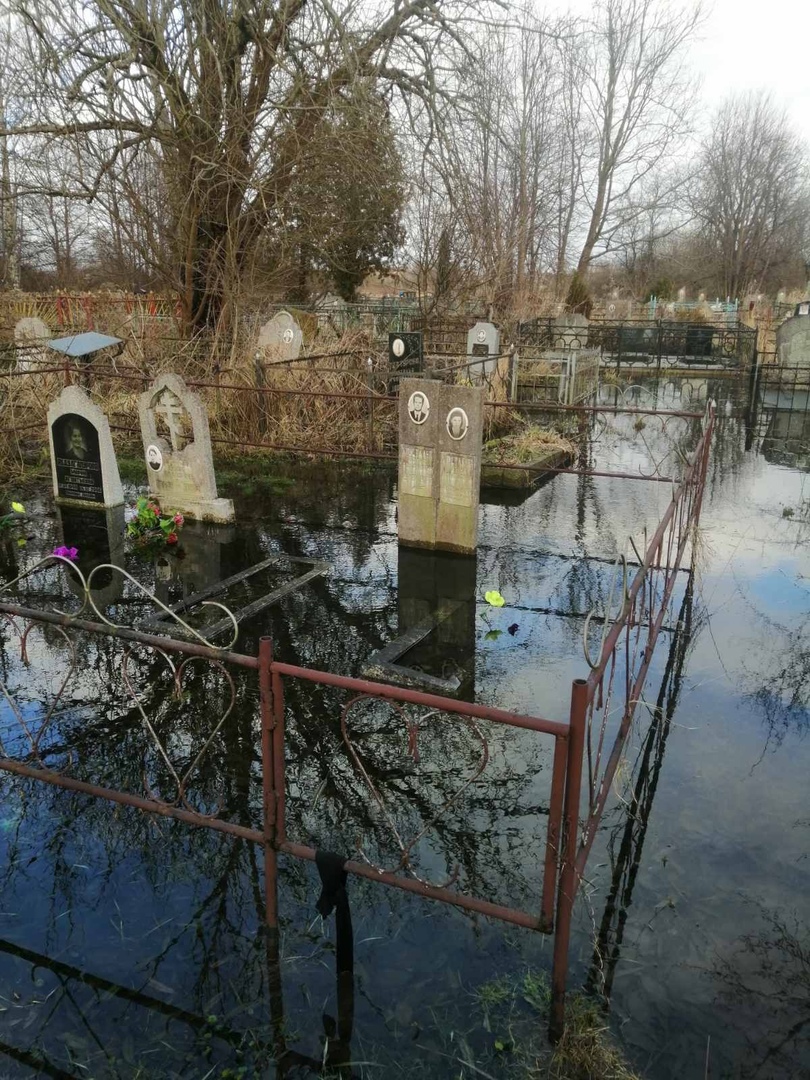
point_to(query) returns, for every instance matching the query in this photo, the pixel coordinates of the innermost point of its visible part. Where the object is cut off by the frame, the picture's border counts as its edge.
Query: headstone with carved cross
(177, 445)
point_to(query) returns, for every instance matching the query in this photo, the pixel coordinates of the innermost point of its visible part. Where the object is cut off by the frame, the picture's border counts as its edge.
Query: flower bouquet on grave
(150, 528)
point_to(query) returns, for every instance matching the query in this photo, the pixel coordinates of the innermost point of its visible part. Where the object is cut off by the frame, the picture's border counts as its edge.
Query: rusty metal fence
(602, 711)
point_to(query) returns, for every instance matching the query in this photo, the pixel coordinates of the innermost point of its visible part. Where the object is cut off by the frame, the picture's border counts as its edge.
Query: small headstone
(484, 340)
(29, 333)
(569, 331)
(793, 341)
(281, 336)
(85, 472)
(440, 437)
(177, 447)
(405, 351)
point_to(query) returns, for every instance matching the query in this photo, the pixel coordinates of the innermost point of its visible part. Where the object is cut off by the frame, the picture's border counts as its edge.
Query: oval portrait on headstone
(418, 407)
(457, 423)
(288, 335)
(398, 348)
(482, 335)
(154, 458)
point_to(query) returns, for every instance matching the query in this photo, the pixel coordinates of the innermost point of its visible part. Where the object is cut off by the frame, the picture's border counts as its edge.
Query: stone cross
(181, 471)
(170, 409)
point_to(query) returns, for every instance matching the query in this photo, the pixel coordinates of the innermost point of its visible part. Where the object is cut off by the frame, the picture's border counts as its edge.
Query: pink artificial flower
(63, 552)
(178, 520)
(171, 538)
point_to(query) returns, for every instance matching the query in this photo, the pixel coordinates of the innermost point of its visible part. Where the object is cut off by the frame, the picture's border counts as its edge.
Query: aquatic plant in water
(15, 514)
(150, 527)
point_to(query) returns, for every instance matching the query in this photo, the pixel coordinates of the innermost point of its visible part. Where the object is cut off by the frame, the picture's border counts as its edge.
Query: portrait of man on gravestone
(418, 407)
(457, 424)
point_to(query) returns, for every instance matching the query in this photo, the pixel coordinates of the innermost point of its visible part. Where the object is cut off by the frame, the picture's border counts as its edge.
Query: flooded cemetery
(390, 704)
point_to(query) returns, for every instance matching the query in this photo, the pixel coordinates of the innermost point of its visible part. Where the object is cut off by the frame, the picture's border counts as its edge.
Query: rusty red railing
(603, 705)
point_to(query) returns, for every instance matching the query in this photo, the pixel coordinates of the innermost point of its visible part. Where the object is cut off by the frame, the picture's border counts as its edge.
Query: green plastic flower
(494, 598)
(18, 508)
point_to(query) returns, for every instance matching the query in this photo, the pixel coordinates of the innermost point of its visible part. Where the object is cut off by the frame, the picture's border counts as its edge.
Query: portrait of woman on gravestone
(75, 438)
(457, 424)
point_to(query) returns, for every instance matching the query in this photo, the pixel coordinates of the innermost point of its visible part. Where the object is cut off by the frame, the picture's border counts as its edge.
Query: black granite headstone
(78, 459)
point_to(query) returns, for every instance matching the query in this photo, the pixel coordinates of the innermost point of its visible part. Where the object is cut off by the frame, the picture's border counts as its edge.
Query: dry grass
(529, 444)
(586, 1050)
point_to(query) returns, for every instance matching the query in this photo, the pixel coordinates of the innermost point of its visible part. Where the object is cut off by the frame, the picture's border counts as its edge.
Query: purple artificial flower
(71, 553)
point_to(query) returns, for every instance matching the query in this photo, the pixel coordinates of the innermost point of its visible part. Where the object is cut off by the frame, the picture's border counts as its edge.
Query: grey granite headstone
(282, 337)
(483, 340)
(440, 436)
(793, 341)
(31, 331)
(83, 465)
(177, 445)
(569, 331)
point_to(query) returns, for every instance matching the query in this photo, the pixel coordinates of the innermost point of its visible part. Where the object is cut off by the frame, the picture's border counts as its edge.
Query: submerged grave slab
(245, 594)
(434, 649)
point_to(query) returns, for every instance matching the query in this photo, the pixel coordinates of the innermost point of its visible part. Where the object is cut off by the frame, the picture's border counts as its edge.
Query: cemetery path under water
(134, 948)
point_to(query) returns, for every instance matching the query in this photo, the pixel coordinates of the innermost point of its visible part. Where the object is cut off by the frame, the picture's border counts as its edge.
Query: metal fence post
(568, 876)
(269, 795)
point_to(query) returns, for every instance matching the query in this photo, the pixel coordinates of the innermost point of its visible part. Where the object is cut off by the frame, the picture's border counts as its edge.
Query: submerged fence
(587, 747)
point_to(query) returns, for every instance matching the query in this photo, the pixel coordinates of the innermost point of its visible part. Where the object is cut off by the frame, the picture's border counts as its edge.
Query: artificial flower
(179, 519)
(494, 598)
(18, 508)
(171, 538)
(63, 552)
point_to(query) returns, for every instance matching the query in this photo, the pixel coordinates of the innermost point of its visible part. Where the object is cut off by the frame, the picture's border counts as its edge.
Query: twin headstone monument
(177, 446)
(440, 433)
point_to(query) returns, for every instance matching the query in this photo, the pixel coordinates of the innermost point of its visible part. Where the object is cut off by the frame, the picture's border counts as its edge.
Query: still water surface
(134, 948)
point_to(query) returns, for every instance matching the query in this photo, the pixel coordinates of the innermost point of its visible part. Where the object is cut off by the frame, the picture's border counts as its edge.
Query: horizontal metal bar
(432, 892)
(299, 851)
(431, 701)
(168, 644)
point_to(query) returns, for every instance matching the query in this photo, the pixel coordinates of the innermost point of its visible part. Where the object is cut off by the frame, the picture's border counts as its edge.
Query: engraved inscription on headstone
(416, 471)
(456, 480)
(83, 461)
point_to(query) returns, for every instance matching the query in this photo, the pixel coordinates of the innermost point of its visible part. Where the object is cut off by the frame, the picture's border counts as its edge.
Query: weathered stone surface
(179, 462)
(31, 331)
(440, 431)
(569, 331)
(484, 340)
(281, 337)
(793, 341)
(83, 464)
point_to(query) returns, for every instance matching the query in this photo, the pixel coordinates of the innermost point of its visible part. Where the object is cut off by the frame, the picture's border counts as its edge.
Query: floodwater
(133, 947)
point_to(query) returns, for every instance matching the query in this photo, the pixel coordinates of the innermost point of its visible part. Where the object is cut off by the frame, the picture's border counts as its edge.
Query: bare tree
(221, 94)
(636, 100)
(751, 195)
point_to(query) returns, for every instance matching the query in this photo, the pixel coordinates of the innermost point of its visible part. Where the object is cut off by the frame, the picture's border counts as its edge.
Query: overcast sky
(751, 45)
(746, 45)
